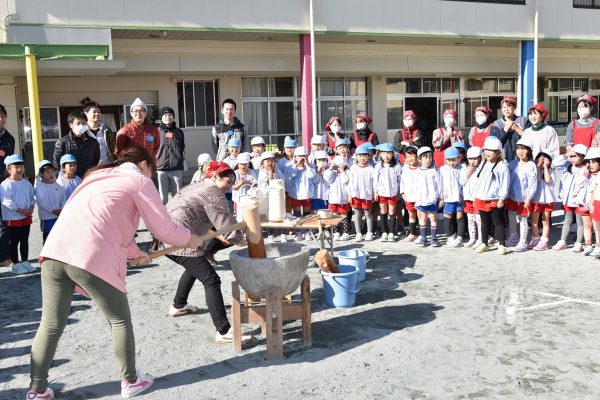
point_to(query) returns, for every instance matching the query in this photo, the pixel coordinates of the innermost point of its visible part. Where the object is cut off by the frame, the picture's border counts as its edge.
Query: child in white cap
(468, 180)
(360, 188)
(203, 160)
(452, 197)
(337, 178)
(321, 186)
(258, 147)
(244, 175)
(428, 195)
(408, 189)
(317, 143)
(300, 188)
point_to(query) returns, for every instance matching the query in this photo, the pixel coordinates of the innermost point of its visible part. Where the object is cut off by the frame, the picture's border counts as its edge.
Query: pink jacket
(96, 228)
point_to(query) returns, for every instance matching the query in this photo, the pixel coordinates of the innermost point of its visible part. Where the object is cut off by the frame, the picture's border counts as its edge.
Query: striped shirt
(200, 207)
(16, 194)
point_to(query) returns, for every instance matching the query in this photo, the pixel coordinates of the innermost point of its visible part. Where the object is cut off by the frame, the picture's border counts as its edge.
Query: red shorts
(596, 214)
(339, 208)
(581, 211)
(360, 203)
(485, 205)
(296, 204)
(517, 207)
(569, 209)
(389, 200)
(410, 206)
(469, 207)
(540, 207)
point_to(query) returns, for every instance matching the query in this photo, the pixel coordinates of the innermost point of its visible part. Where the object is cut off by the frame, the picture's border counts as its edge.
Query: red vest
(358, 142)
(584, 136)
(479, 136)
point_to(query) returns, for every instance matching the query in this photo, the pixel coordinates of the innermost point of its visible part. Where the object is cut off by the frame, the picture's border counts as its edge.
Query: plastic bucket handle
(349, 291)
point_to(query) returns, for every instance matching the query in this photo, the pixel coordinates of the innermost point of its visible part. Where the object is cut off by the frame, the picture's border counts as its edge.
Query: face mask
(408, 123)
(360, 125)
(583, 112)
(335, 128)
(481, 120)
(448, 122)
(80, 130)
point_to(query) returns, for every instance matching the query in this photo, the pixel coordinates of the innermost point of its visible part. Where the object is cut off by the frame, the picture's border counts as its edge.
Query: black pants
(199, 268)
(497, 216)
(19, 240)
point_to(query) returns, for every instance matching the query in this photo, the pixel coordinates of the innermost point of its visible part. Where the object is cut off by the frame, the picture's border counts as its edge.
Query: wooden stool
(270, 313)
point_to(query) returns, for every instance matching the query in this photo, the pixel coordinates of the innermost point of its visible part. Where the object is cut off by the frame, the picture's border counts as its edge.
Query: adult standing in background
(586, 129)
(7, 141)
(104, 135)
(363, 133)
(446, 136)
(483, 128)
(542, 136)
(509, 128)
(228, 127)
(139, 131)
(170, 158)
(79, 142)
(334, 127)
(409, 135)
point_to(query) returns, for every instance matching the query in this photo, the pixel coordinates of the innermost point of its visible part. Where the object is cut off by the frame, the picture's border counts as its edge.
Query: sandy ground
(429, 324)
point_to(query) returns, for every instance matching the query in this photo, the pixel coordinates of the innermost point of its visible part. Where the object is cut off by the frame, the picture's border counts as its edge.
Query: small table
(311, 221)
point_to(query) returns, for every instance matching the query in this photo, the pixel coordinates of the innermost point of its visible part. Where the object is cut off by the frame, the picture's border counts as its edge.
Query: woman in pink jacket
(103, 214)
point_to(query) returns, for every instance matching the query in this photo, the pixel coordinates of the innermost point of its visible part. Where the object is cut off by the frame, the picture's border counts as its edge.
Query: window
(270, 108)
(198, 103)
(486, 91)
(586, 3)
(562, 95)
(50, 120)
(344, 97)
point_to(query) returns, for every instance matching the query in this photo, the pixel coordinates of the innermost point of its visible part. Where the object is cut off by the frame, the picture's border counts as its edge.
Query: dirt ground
(429, 323)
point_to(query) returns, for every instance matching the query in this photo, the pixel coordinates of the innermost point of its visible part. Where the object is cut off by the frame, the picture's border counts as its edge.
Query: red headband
(541, 109)
(410, 113)
(216, 167)
(484, 109)
(365, 117)
(453, 113)
(331, 121)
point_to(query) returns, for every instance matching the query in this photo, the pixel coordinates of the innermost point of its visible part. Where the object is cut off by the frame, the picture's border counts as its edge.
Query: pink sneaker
(47, 395)
(560, 245)
(143, 382)
(410, 238)
(541, 246)
(533, 243)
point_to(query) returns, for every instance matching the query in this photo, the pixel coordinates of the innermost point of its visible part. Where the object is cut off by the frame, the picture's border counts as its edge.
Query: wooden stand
(270, 313)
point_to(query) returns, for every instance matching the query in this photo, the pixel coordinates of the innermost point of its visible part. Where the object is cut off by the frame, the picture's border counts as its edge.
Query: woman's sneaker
(358, 237)
(533, 243)
(470, 243)
(410, 238)
(541, 246)
(185, 310)
(131, 389)
(483, 248)
(336, 236)
(344, 237)
(513, 240)
(560, 245)
(47, 395)
(384, 236)
(520, 247)
(587, 250)
(228, 337)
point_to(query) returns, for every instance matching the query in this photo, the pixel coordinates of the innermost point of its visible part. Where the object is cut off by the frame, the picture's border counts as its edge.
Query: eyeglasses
(142, 111)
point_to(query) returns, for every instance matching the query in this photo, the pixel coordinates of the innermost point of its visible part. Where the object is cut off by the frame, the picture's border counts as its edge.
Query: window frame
(594, 6)
(217, 111)
(344, 98)
(503, 2)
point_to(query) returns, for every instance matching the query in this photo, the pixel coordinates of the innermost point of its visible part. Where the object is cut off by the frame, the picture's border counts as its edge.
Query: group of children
(19, 197)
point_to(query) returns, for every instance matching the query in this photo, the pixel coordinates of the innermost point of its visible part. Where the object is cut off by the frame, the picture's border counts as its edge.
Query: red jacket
(145, 135)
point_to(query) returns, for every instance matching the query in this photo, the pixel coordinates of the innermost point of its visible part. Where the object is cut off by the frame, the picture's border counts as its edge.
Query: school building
(378, 56)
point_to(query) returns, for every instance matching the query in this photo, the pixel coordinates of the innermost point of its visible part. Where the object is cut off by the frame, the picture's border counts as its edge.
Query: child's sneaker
(470, 243)
(369, 236)
(270, 239)
(27, 266)
(435, 243)
(419, 239)
(19, 268)
(47, 395)
(533, 243)
(131, 389)
(336, 236)
(501, 250)
(344, 237)
(283, 238)
(483, 248)
(520, 247)
(422, 241)
(298, 237)
(560, 245)
(458, 242)
(450, 241)
(358, 237)
(577, 247)
(513, 240)
(410, 238)
(492, 241)
(541, 246)
(391, 237)
(476, 244)
(185, 310)
(307, 236)
(384, 237)
(587, 250)
(596, 251)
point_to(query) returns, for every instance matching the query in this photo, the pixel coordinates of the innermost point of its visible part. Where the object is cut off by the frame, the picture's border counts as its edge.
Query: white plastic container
(276, 212)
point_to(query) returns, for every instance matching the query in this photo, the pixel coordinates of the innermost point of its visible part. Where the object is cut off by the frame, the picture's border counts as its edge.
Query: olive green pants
(58, 284)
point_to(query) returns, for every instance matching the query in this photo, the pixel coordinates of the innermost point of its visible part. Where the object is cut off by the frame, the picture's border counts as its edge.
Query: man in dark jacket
(79, 142)
(229, 127)
(7, 141)
(170, 157)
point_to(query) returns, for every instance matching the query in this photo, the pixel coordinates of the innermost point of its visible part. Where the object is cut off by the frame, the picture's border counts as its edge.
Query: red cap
(410, 113)
(331, 120)
(451, 112)
(542, 110)
(485, 109)
(510, 100)
(366, 117)
(588, 98)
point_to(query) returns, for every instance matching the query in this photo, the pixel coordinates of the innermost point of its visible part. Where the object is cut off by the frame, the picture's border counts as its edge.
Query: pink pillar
(306, 88)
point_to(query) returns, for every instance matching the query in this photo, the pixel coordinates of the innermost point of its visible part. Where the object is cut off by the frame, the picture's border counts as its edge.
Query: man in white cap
(139, 131)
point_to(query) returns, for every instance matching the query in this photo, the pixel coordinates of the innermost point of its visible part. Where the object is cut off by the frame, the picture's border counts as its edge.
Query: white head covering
(203, 158)
(243, 158)
(139, 102)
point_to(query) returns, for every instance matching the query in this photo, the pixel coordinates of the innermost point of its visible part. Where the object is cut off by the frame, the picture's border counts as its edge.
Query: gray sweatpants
(169, 182)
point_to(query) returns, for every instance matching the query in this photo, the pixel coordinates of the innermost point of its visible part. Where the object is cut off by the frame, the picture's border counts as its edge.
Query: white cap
(243, 158)
(257, 140)
(525, 142)
(474, 152)
(321, 154)
(139, 102)
(424, 150)
(547, 152)
(299, 151)
(592, 153)
(317, 139)
(492, 143)
(266, 155)
(204, 158)
(339, 161)
(580, 149)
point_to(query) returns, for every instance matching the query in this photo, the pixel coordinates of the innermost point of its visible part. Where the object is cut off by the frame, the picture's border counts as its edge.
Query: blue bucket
(340, 288)
(357, 258)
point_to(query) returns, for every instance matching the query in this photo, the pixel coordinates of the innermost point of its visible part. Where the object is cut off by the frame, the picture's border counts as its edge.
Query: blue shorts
(318, 204)
(451, 208)
(47, 224)
(430, 208)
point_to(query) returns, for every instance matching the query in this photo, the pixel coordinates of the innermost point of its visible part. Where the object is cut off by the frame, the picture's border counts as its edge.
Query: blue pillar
(528, 77)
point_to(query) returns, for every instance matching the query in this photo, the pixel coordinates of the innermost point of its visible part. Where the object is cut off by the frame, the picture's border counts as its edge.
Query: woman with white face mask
(78, 142)
(409, 135)
(445, 136)
(334, 127)
(586, 129)
(363, 133)
(483, 129)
